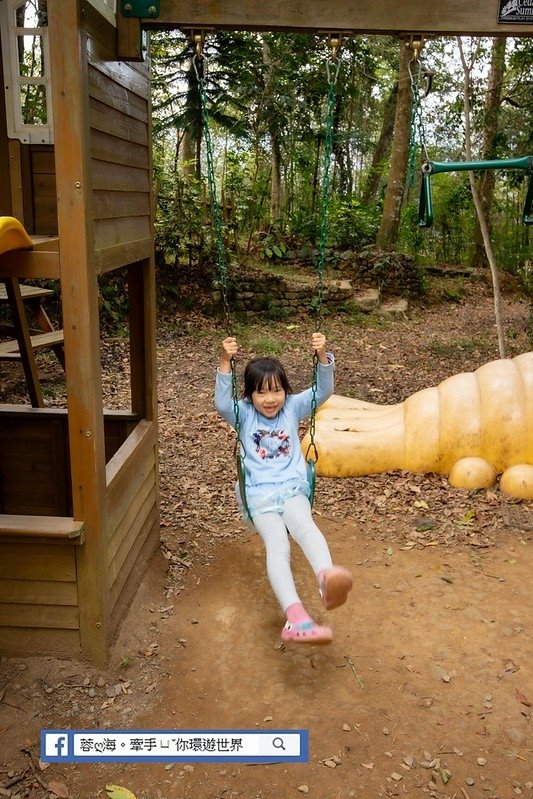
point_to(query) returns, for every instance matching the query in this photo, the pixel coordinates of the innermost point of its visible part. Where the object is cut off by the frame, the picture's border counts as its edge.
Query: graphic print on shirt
(271, 444)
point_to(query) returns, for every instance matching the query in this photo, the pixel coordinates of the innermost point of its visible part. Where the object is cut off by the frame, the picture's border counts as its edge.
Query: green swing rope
(429, 167)
(333, 66)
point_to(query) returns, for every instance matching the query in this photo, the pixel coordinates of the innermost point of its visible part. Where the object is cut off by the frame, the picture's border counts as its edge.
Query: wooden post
(142, 310)
(129, 38)
(80, 315)
(15, 176)
(141, 288)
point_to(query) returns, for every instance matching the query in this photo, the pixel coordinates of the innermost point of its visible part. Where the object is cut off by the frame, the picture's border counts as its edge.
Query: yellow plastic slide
(13, 235)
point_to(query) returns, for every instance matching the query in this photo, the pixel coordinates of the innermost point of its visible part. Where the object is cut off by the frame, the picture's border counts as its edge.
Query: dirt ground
(427, 687)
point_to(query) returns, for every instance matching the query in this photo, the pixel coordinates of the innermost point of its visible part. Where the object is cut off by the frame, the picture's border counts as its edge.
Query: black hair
(261, 371)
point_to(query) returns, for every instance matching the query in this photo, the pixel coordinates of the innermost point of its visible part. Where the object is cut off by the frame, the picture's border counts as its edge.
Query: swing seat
(311, 479)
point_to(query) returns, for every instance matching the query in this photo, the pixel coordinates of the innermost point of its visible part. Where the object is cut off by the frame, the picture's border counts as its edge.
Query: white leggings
(272, 527)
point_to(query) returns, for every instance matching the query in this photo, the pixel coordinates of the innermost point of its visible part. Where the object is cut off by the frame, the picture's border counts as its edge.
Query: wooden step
(26, 292)
(44, 529)
(9, 350)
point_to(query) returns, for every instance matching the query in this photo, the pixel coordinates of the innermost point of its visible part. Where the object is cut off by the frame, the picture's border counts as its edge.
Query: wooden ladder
(26, 341)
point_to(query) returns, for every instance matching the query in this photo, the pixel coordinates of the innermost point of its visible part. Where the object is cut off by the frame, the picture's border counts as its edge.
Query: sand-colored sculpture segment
(471, 427)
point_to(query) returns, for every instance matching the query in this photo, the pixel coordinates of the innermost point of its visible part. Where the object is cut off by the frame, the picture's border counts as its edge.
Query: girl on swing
(277, 489)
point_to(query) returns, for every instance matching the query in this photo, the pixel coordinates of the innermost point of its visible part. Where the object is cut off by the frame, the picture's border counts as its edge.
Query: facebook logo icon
(55, 744)
(60, 743)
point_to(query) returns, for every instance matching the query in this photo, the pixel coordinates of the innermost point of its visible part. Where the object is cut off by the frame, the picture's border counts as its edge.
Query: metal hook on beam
(416, 42)
(334, 43)
(198, 39)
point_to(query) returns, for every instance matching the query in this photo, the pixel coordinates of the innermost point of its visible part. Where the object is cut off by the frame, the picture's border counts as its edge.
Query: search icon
(278, 743)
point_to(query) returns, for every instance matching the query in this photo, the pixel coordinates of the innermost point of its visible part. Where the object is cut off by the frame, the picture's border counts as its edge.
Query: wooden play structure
(79, 486)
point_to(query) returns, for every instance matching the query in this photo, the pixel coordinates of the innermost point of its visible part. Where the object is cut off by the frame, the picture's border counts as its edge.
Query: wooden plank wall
(43, 190)
(38, 581)
(132, 516)
(34, 452)
(34, 465)
(38, 599)
(119, 118)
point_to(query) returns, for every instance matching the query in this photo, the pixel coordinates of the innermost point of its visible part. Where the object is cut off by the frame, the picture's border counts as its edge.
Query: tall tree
(273, 126)
(468, 66)
(493, 102)
(390, 220)
(382, 148)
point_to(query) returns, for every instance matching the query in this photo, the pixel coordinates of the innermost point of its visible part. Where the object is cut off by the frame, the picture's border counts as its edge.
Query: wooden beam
(129, 41)
(445, 18)
(30, 264)
(40, 529)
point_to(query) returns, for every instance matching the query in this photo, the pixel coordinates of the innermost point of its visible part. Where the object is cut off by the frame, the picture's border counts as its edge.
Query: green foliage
(273, 247)
(350, 224)
(266, 95)
(246, 190)
(113, 299)
(351, 310)
(457, 294)
(525, 276)
(277, 312)
(450, 237)
(265, 346)
(462, 345)
(179, 223)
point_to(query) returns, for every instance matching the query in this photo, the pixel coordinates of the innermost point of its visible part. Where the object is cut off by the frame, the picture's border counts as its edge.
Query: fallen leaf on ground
(58, 789)
(118, 792)
(522, 698)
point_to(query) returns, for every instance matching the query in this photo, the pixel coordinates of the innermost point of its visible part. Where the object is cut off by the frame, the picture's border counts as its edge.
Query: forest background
(266, 104)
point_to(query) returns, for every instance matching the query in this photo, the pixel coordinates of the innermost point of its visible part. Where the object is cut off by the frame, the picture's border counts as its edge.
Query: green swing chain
(200, 65)
(332, 67)
(417, 122)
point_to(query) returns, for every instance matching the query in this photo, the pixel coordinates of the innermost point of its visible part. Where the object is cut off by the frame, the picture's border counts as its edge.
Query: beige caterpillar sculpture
(470, 427)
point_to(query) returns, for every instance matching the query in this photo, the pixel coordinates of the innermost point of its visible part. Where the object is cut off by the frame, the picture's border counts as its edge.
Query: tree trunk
(490, 133)
(338, 149)
(382, 149)
(188, 154)
(275, 144)
(191, 147)
(314, 185)
(467, 69)
(275, 186)
(390, 220)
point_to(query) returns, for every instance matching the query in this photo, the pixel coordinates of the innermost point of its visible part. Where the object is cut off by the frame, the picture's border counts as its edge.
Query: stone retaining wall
(277, 297)
(272, 293)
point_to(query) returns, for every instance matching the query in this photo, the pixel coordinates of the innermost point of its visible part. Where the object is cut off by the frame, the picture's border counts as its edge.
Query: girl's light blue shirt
(274, 465)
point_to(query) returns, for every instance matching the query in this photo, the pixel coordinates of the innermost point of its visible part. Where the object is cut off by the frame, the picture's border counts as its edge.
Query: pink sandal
(306, 632)
(335, 585)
